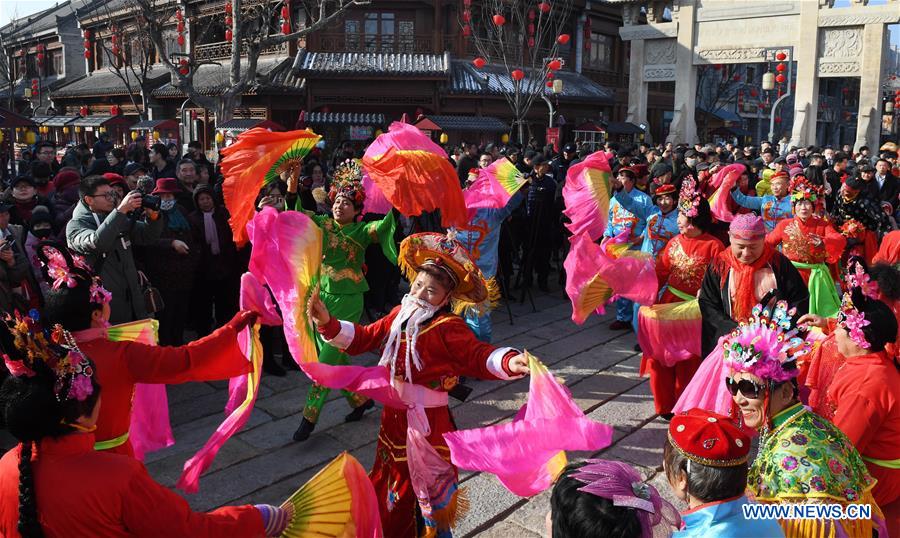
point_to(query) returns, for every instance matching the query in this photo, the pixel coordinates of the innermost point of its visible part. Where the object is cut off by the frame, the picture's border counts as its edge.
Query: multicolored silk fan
(528, 453)
(586, 194)
(339, 501)
(495, 186)
(415, 174)
(595, 272)
(257, 158)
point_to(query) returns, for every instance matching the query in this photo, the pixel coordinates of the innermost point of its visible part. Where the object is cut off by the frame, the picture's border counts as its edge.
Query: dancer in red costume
(54, 484)
(680, 267)
(426, 348)
(863, 397)
(813, 245)
(79, 303)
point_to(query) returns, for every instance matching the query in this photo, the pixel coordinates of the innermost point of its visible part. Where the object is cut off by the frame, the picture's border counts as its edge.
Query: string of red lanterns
(87, 44)
(179, 16)
(229, 21)
(286, 18)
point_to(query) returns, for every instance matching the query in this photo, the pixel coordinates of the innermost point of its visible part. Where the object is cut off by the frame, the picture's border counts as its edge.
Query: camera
(151, 202)
(8, 245)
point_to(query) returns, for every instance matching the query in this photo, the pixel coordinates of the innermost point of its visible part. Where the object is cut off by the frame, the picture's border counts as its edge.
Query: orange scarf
(745, 298)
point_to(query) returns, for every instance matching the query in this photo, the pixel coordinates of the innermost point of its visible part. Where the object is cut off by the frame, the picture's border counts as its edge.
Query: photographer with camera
(102, 230)
(13, 262)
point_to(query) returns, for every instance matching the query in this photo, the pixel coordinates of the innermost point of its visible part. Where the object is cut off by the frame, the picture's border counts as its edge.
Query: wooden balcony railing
(222, 50)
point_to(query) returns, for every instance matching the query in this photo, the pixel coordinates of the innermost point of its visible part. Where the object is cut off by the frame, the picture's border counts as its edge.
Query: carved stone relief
(717, 10)
(747, 55)
(838, 69)
(836, 18)
(659, 73)
(842, 42)
(659, 51)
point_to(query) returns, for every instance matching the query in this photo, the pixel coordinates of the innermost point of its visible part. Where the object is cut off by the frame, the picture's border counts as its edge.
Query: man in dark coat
(746, 273)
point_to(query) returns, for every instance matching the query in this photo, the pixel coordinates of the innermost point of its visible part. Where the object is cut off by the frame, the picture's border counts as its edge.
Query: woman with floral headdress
(813, 245)
(680, 266)
(802, 457)
(863, 396)
(54, 484)
(343, 283)
(78, 302)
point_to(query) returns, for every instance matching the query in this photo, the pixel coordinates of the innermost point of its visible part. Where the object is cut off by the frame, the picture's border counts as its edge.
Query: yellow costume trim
(111, 443)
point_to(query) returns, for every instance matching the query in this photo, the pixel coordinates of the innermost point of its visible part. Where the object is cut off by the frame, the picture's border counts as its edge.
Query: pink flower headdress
(857, 277)
(38, 349)
(853, 321)
(766, 345)
(66, 269)
(623, 485)
(689, 197)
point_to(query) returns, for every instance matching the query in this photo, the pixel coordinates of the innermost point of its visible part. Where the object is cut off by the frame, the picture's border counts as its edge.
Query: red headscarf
(745, 298)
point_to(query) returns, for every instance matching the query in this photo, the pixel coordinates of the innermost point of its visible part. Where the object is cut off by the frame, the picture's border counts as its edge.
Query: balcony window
(379, 31)
(407, 35)
(55, 62)
(600, 56)
(351, 35)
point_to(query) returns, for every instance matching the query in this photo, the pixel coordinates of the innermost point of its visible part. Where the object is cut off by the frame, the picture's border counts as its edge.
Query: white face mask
(167, 205)
(690, 162)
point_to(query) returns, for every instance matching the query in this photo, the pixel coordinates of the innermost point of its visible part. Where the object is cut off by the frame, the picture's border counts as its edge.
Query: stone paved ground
(263, 465)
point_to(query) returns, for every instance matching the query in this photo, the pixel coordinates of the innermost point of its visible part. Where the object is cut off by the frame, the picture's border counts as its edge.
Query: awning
(623, 128)
(11, 120)
(99, 120)
(722, 114)
(40, 119)
(213, 78)
(245, 124)
(345, 118)
(371, 64)
(153, 125)
(60, 121)
(589, 126)
(105, 82)
(462, 123)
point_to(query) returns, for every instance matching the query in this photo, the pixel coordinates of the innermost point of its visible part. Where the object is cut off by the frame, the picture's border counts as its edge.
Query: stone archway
(826, 42)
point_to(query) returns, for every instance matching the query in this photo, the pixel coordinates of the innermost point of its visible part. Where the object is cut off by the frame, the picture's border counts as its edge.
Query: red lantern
(780, 56)
(554, 65)
(285, 12)
(736, 77)
(35, 84)
(180, 26)
(83, 111)
(180, 40)
(285, 28)
(781, 68)
(467, 3)
(563, 39)
(499, 20)
(466, 16)
(531, 42)
(549, 83)
(184, 71)
(531, 28)
(228, 8)
(479, 62)
(753, 93)
(87, 34)
(587, 44)
(179, 15)
(531, 15)
(466, 30)
(114, 110)
(897, 93)
(40, 58)
(87, 54)
(777, 120)
(517, 75)
(780, 78)
(229, 22)
(228, 35)
(544, 7)
(550, 74)
(87, 44)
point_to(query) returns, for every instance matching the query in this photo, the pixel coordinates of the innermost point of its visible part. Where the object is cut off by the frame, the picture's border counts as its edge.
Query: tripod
(528, 262)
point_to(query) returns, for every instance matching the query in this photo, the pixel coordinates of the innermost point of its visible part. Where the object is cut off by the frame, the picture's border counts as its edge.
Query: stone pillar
(868, 121)
(683, 127)
(806, 96)
(637, 88)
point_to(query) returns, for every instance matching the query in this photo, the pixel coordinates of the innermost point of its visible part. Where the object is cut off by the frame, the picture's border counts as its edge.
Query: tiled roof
(106, 82)
(211, 79)
(723, 114)
(20, 85)
(345, 118)
(493, 79)
(60, 121)
(470, 123)
(371, 63)
(26, 27)
(9, 119)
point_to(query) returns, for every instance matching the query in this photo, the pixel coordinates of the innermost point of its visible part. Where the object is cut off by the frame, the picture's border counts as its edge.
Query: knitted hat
(709, 439)
(65, 179)
(40, 214)
(748, 227)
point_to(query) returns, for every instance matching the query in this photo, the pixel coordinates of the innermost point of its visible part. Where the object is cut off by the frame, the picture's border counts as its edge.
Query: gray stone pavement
(262, 464)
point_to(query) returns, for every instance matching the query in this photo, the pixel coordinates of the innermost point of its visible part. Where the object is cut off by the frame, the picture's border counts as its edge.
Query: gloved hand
(243, 319)
(275, 519)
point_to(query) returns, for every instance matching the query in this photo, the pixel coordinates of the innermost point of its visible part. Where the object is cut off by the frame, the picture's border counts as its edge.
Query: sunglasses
(750, 389)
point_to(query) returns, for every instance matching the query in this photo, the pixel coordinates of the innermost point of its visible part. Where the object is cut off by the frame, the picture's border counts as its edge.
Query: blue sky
(21, 8)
